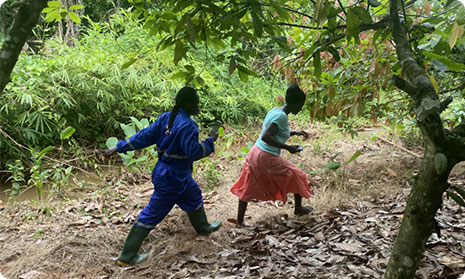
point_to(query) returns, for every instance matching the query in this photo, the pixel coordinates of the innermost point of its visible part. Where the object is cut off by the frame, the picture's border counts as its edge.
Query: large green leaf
(452, 65)
(353, 25)
(333, 165)
(179, 51)
(66, 133)
(111, 142)
(74, 17)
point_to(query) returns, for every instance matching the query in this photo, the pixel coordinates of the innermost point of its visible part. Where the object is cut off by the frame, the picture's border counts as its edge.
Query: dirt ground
(358, 210)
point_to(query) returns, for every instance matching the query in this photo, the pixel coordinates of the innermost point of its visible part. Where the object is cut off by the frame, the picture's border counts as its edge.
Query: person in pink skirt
(265, 175)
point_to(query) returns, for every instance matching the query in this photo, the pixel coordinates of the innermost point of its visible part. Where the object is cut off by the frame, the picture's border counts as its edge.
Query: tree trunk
(25, 19)
(431, 182)
(67, 29)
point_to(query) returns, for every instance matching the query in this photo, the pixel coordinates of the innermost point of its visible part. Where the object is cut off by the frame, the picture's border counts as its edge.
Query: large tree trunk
(431, 182)
(25, 19)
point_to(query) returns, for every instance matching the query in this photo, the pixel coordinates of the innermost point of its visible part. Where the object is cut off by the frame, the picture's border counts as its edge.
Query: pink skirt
(268, 177)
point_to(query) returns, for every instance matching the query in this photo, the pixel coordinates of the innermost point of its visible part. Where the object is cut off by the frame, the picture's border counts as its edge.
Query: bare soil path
(349, 235)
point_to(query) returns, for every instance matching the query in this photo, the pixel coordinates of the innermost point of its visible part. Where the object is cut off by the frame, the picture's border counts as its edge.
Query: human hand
(214, 133)
(302, 133)
(110, 151)
(294, 148)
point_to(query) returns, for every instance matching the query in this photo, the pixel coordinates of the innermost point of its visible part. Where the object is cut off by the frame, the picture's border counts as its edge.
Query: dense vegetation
(85, 87)
(350, 57)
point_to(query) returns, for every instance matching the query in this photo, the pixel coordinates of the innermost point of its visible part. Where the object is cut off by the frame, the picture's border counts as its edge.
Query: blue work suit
(172, 174)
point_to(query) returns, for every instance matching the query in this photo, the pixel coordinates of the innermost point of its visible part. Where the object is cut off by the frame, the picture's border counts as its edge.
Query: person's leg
(155, 211)
(299, 209)
(191, 201)
(241, 208)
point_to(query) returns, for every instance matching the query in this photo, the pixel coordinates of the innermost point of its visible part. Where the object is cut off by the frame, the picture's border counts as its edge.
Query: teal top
(279, 117)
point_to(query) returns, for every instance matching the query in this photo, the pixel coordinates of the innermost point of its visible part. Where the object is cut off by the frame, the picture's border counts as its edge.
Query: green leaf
(179, 75)
(354, 156)
(353, 25)
(54, 4)
(335, 53)
(440, 163)
(282, 42)
(66, 133)
(180, 25)
(44, 151)
(128, 63)
(333, 165)
(74, 17)
(220, 132)
(451, 65)
(52, 16)
(179, 51)
(129, 130)
(76, 7)
(243, 76)
(460, 191)
(317, 64)
(256, 20)
(199, 81)
(456, 198)
(460, 17)
(247, 71)
(111, 142)
(190, 29)
(232, 66)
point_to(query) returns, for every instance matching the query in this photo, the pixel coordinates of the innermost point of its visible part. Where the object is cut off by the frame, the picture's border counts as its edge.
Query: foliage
(86, 87)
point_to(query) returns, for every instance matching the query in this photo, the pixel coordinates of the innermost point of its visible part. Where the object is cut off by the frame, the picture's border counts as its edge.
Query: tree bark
(25, 19)
(67, 30)
(430, 184)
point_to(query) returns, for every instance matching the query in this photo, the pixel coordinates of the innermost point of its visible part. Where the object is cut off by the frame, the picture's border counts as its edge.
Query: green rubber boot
(199, 222)
(131, 246)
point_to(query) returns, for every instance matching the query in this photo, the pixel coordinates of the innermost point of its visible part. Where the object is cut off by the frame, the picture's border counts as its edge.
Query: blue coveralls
(172, 175)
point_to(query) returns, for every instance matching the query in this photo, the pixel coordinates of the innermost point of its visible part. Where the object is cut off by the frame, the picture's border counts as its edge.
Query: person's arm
(191, 147)
(267, 137)
(145, 137)
(300, 133)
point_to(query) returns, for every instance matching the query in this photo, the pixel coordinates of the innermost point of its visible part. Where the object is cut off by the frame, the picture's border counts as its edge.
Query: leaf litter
(349, 235)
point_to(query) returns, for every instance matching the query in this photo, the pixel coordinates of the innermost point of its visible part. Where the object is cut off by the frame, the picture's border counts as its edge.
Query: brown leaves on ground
(349, 235)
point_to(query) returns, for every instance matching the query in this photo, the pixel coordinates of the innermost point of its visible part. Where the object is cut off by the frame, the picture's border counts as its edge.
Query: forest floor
(358, 210)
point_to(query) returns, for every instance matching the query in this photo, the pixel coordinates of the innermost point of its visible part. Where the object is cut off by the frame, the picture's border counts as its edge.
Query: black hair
(294, 95)
(185, 96)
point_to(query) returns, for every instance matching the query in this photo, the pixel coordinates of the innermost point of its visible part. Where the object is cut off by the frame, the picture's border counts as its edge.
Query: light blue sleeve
(280, 119)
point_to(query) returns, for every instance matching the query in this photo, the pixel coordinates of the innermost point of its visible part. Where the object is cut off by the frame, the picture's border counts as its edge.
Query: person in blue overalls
(176, 136)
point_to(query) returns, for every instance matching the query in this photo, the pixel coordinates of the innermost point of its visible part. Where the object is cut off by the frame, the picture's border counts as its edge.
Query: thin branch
(342, 7)
(460, 87)
(298, 25)
(446, 103)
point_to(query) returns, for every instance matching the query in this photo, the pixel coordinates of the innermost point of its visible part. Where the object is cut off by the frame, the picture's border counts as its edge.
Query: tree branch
(25, 19)
(445, 103)
(404, 85)
(460, 87)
